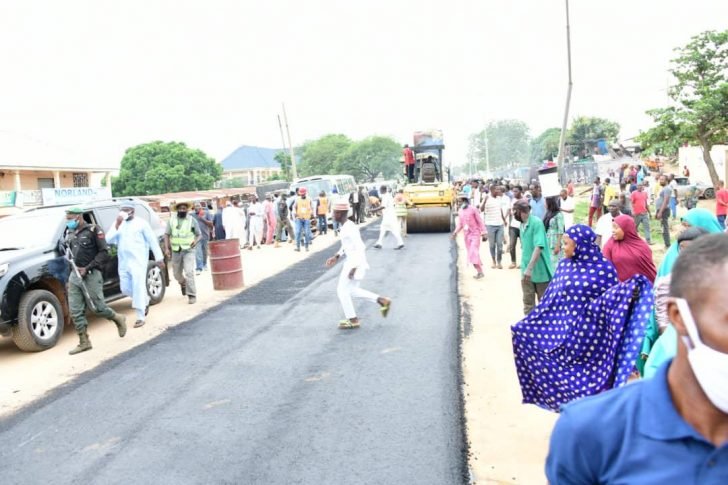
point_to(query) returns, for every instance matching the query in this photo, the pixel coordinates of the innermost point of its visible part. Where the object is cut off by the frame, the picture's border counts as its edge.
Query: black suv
(34, 270)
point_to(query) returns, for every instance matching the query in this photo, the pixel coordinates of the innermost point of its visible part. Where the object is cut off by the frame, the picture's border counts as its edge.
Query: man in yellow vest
(322, 212)
(180, 239)
(303, 212)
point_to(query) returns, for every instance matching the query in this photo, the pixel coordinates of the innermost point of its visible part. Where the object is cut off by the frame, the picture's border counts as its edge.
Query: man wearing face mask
(180, 241)
(672, 428)
(134, 239)
(90, 253)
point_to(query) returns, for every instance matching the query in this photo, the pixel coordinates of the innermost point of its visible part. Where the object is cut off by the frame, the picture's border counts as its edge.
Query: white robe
(389, 220)
(233, 220)
(354, 249)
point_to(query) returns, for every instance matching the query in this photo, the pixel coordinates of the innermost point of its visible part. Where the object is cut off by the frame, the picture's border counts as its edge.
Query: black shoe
(183, 288)
(146, 311)
(400, 246)
(378, 246)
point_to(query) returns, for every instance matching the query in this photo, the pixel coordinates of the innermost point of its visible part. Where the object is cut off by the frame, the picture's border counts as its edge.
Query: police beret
(74, 210)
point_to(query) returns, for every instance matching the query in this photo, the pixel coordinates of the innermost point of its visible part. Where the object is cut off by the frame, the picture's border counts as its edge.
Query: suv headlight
(4, 269)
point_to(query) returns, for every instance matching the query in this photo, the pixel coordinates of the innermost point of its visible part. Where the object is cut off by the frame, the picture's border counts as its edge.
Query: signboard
(7, 199)
(75, 195)
(429, 138)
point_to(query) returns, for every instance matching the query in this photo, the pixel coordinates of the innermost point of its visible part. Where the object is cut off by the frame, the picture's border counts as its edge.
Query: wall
(693, 158)
(29, 179)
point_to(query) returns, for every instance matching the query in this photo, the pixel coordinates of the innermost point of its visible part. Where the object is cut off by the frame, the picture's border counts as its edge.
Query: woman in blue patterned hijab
(583, 336)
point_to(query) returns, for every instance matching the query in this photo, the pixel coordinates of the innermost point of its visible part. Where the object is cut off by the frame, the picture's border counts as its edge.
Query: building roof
(249, 157)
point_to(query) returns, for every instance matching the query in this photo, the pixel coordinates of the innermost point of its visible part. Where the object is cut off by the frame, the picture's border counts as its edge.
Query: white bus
(333, 185)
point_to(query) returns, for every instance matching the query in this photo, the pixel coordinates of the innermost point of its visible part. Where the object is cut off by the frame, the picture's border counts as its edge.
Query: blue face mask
(72, 224)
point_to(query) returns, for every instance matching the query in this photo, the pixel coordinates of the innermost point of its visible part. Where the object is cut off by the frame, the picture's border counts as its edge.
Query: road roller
(430, 196)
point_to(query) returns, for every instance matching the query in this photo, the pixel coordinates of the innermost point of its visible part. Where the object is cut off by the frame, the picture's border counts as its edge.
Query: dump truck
(430, 196)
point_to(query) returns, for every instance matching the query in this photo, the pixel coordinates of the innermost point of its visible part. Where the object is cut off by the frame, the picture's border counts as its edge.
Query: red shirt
(639, 202)
(721, 196)
(409, 156)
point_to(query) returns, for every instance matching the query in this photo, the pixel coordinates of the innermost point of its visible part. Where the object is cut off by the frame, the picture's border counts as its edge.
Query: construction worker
(180, 239)
(89, 251)
(322, 212)
(303, 211)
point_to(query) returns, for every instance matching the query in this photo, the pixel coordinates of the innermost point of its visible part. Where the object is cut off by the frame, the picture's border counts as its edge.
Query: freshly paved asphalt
(264, 389)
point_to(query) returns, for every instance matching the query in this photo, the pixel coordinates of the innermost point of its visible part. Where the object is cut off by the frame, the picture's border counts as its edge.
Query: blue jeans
(322, 224)
(337, 226)
(495, 242)
(721, 221)
(201, 254)
(673, 207)
(303, 228)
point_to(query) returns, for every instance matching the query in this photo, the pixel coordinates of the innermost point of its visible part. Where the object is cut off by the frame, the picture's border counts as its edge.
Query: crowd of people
(598, 312)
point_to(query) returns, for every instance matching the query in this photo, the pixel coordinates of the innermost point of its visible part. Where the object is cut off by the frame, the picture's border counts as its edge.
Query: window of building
(45, 183)
(80, 180)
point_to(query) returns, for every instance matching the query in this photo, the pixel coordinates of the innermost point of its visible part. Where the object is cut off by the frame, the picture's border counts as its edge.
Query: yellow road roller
(430, 196)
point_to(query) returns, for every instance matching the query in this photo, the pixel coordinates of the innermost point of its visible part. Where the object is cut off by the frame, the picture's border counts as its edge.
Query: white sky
(99, 76)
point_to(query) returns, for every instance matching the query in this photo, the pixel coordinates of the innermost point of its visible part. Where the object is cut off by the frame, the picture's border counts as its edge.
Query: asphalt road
(265, 389)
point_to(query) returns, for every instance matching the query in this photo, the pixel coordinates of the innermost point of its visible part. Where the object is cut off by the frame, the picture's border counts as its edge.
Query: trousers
(201, 254)
(495, 242)
(644, 220)
(514, 233)
(77, 303)
(665, 220)
(303, 228)
(284, 223)
(530, 291)
(321, 224)
(183, 266)
(347, 289)
(391, 227)
(255, 231)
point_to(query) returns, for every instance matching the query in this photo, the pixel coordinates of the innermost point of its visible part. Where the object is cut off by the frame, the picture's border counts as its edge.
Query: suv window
(107, 216)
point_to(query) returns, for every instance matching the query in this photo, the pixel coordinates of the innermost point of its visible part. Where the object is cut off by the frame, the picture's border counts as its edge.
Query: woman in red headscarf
(629, 254)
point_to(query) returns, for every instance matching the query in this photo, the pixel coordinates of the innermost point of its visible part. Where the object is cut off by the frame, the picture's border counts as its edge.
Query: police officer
(180, 239)
(90, 253)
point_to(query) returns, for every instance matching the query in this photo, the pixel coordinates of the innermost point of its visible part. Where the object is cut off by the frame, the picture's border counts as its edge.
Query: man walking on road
(389, 219)
(536, 266)
(134, 239)
(90, 253)
(204, 222)
(303, 212)
(255, 223)
(514, 230)
(663, 210)
(180, 240)
(641, 210)
(284, 221)
(354, 270)
(322, 213)
(269, 213)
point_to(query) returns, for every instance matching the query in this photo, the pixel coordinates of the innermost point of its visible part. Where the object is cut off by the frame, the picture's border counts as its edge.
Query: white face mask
(124, 215)
(709, 365)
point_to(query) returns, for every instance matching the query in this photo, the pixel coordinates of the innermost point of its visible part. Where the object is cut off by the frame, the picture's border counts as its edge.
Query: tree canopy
(322, 156)
(160, 167)
(546, 145)
(507, 144)
(284, 160)
(699, 110)
(586, 131)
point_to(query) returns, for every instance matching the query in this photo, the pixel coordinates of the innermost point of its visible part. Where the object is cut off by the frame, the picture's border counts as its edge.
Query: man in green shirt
(536, 267)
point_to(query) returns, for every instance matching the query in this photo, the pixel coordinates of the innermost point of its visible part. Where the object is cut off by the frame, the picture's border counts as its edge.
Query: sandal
(139, 323)
(384, 308)
(348, 324)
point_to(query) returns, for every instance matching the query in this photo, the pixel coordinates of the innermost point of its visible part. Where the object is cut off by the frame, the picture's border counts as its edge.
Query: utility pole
(562, 140)
(283, 139)
(487, 155)
(290, 145)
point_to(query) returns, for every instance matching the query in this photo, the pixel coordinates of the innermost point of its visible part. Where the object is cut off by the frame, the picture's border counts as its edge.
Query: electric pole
(562, 140)
(290, 145)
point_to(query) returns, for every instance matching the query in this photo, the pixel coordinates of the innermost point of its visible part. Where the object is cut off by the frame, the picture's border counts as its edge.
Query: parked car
(34, 270)
(705, 191)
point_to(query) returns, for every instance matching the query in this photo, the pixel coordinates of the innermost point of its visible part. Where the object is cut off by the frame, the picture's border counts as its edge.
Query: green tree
(546, 145)
(586, 131)
(162, 167)
(284, 160)
(699, 96)
(666, 137)
(507, 144)
(372, 157)
(234, 183)
(321, 156)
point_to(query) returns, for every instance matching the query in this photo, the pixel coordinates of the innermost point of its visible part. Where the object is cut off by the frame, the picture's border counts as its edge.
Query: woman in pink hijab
(469, 219)
(629, 254)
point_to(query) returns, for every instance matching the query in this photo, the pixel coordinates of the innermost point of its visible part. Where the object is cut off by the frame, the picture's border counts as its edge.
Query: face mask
(72, 224)
(709, 366)
(124, 215)
(182, 214)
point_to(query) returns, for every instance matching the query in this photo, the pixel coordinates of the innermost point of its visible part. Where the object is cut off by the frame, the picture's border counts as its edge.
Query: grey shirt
(665, 194)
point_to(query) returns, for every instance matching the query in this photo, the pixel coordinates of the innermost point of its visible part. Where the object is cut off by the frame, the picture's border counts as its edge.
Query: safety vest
(303, 209)
(181, 237)
(323, 206)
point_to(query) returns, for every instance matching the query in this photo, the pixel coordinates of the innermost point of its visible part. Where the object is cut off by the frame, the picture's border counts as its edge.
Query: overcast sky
(102, 75)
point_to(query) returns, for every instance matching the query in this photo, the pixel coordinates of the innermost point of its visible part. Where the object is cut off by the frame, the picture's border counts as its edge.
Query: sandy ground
(28, 376)
(508, 440)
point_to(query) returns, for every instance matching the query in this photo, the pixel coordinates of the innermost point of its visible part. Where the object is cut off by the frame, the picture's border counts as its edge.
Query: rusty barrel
(227, 266)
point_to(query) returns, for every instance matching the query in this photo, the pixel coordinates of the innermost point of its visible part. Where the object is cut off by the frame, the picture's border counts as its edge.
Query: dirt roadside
(28, 376)
(508, 440)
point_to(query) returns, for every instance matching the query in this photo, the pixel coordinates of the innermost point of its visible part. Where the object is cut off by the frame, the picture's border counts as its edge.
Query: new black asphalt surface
(265, 389)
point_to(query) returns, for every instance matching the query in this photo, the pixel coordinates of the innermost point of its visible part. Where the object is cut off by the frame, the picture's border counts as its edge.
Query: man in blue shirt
(538, 203)
(673, 428)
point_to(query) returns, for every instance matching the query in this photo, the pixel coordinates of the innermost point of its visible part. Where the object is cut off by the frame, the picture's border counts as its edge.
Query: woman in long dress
(583, 336)
(554, 224)
(469, 220)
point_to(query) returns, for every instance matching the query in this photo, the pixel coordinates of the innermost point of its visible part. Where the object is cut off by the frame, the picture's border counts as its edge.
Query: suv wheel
(40, 321)
(155, 283)
(709, 193)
